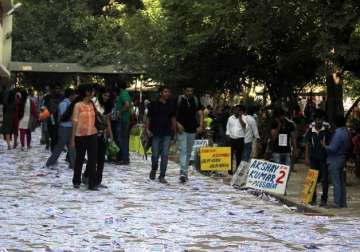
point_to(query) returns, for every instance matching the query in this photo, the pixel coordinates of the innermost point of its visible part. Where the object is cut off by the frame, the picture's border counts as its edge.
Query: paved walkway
(40, 211)
(295, 187)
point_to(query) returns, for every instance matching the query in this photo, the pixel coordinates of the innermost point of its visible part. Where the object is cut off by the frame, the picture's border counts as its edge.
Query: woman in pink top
(84, 136)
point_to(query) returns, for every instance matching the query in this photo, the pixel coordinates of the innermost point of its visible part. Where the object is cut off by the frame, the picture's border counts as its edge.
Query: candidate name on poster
(215, 159)
(267, 176)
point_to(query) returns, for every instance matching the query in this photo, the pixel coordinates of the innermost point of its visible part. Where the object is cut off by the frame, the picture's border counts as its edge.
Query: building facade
(5, 37)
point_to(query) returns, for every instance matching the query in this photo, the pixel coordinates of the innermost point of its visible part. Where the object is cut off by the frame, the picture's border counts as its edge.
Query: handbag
(100, 121)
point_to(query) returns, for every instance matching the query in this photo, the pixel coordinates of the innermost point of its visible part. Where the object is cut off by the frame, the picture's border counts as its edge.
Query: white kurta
(24, 122)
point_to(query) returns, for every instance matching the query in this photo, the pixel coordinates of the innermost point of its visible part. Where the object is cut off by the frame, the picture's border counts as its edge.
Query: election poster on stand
(309, 186)
(267, 176)
(197, 144)
(215, 159)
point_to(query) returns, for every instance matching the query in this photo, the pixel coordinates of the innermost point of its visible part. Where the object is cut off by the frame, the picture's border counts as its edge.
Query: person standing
(103, 106)
(84, 136)
(283, 138)
(122, 108)
(9, 113)
(160, 127)
(251, 134)
(190, 121)
(235, 132)
(27, 114)
(337, 152)
(64, 130)
(315, 153)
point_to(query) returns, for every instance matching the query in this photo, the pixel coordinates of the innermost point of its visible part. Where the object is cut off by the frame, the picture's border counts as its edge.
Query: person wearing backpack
(123, 113)
(190, 121)
(64, 130)
(51, 102)
(337, 153)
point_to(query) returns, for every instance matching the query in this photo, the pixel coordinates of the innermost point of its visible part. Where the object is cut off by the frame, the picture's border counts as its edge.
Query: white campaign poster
(197, 144)
(267, 176)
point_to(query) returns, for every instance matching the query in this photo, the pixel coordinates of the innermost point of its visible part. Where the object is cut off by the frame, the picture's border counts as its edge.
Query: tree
(66, 31)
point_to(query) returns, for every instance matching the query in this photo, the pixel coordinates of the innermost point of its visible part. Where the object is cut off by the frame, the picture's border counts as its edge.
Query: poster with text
(215, 159)
(267, 176)
(309, 186)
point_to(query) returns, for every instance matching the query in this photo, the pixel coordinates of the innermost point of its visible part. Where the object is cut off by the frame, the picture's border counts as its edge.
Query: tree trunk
(334, 85)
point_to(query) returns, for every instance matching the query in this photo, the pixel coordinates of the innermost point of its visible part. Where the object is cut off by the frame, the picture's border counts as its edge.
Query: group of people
(20, 117)
(85, 120)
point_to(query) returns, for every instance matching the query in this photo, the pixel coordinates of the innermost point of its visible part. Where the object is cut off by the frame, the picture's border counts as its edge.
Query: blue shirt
(339, 146)
(62, 108)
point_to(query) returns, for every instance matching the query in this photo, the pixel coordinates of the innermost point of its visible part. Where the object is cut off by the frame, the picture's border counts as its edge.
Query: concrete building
(5, 37)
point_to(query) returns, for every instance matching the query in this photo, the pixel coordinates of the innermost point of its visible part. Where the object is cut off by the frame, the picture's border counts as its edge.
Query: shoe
(22, 148)
(123, 162)
(94, 188)
(102, 186)
(323, 203)
(313, 203)
(152, 175)
(183, 179)
(84, 180)
(76, 186)
(162, 180)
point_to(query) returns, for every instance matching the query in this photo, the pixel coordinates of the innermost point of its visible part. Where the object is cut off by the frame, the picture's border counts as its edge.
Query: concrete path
(40, 211)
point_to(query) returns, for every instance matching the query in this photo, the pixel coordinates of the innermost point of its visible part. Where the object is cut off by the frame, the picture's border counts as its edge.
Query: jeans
(64, 135)
(282, 158)
(186, 142)
(123, 131)
(336, 170)
(320, 165)
(83, 145)
(160, 146)
(246, 155)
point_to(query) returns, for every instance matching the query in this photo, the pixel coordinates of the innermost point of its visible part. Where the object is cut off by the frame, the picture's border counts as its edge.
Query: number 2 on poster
(280, 178)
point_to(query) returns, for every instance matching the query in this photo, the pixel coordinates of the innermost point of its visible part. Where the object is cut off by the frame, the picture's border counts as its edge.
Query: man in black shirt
(315, 153)
(190, 120)
(160, 126)
(283, 138)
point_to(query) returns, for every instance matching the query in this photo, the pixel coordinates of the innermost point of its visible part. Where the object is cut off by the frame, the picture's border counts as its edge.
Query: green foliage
(66, 31)
(283, 44)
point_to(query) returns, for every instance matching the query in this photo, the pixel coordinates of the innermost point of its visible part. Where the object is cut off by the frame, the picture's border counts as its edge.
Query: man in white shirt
(251, 133)
(235, 132)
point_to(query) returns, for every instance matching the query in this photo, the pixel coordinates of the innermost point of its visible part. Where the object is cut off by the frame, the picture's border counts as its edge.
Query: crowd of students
(84, 121)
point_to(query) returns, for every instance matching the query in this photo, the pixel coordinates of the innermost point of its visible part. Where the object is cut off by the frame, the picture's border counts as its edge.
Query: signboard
(267, 176)
(309, 186)
(240, 176)
(215, 159)
(197, 144)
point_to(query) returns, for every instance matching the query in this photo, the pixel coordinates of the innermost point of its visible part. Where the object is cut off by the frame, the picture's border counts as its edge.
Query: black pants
(320, 165)
(237, 147)
(101, 151)
(53, 134)
(83, 145)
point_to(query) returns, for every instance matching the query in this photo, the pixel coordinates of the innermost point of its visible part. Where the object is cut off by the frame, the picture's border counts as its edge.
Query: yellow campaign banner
(309, 186)
(215, 159)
